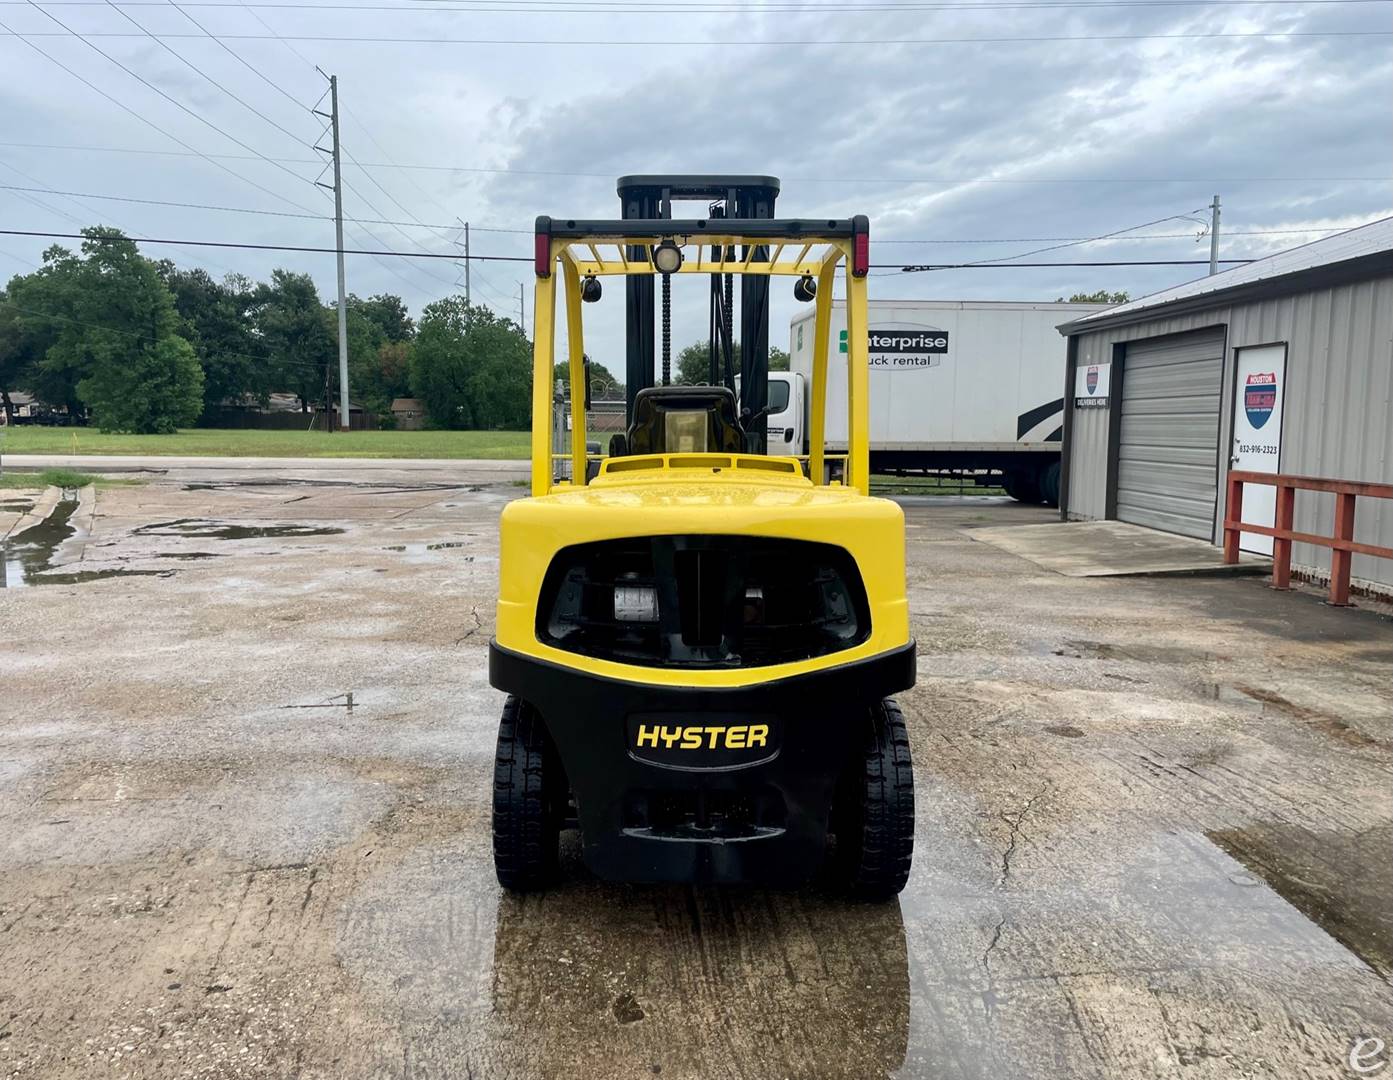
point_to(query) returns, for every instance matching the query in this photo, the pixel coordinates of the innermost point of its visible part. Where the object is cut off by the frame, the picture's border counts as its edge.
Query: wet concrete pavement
(1154, 824)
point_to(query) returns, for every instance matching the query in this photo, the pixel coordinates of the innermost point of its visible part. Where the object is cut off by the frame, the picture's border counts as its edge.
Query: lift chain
(667, 329)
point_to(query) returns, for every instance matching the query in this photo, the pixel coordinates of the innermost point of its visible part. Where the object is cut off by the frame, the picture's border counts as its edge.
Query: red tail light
(541, 248)
(860, 246)
(543, 255)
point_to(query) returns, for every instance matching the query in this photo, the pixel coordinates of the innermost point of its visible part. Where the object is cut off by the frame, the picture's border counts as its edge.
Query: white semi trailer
(955, 385)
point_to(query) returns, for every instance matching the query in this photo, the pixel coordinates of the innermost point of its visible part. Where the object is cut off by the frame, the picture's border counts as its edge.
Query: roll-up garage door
(1167, 474)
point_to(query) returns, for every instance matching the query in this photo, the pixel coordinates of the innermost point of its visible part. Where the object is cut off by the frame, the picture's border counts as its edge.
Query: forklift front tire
(873, 816)
(529, 801)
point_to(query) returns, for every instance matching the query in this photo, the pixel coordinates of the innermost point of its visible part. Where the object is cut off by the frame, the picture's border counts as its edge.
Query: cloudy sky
(967, 130)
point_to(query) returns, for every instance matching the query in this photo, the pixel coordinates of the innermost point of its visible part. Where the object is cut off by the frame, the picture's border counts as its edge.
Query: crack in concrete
(478, 625)
(1014, 823)
(990, 997)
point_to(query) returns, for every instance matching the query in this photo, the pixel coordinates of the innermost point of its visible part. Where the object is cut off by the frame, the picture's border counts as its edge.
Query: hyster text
(734, 737)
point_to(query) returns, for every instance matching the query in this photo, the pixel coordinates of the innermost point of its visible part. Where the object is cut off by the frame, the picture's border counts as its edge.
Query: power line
(228, 49)
(145, 82)
(663, 7)
(1037, 265)
(199, 71)
(418, 224)
(527, 259)
(369, 233)
(405, 175)
(1145, 236)
(945, 181)
(191, 150)
(242, 245)
(77, 199)
(739, 43)
(1089, 240)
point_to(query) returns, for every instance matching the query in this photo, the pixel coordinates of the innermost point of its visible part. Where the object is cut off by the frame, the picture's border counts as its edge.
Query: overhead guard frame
(817, 247)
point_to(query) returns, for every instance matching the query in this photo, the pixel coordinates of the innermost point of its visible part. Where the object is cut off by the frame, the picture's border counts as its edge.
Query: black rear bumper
(754, 808)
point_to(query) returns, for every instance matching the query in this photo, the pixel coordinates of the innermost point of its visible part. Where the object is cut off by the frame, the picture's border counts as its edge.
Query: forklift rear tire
(529, 801)
(873, 815)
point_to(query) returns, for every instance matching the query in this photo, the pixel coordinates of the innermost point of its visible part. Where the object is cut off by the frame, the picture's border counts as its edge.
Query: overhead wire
(203, 74)
(79, 195)
(236, 55)
(946, 181)
(78, 199)
(168, 97)
(1090, 240)
(191, 150)
(597, 43)
(244, 245)
(627, 7)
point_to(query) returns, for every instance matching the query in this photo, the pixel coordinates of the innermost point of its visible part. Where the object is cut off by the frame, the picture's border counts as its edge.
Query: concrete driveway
(1155, 824)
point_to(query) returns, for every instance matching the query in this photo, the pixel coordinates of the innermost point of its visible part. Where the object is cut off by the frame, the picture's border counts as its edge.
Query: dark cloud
(845, 126)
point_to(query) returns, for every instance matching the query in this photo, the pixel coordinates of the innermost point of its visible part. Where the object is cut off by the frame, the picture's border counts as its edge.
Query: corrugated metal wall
(1338, 416)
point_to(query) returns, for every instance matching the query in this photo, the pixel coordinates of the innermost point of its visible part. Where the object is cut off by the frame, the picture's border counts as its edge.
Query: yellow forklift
(698, 638)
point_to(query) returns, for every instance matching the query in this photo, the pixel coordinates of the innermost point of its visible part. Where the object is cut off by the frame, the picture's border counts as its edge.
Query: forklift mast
(743, 197)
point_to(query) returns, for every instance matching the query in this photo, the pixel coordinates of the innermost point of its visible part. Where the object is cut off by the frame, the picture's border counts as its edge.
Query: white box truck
(969, 385)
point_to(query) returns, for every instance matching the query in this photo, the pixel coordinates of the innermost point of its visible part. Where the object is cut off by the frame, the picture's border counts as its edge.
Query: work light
(667, 258)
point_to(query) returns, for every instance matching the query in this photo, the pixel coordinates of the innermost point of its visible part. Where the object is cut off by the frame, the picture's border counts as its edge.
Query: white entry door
(1257, 435)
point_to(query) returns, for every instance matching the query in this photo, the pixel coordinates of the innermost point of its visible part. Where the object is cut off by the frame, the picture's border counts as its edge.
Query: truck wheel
(529, 800)
(873, 810)
(1049, 484)
(1023, 487)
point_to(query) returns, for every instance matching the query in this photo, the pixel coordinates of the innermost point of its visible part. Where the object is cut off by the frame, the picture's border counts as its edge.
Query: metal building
(1281, 365)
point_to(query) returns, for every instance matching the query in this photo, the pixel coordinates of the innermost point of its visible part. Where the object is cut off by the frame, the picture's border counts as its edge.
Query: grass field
(926, 485)
(219, 442)
(64, 478)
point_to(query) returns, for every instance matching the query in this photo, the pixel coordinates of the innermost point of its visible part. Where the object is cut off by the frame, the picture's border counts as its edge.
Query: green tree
(604, 384)
(299, 334)
(1102, 296)
(694, 366)
(378, 328)
(216, 319)
(40, 305)
(24, 339)
(117, 347)
(471, 368)
(157, 388)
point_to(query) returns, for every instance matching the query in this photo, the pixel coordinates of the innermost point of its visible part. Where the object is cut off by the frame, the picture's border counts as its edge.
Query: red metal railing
(1342, 545)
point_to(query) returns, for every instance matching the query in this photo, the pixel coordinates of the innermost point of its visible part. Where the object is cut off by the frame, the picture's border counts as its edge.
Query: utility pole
(1214, 236)
(338, 243)
(467, 301)
(522, 309)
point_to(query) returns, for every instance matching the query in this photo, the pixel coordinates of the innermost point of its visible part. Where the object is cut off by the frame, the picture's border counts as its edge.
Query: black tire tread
(526, 819)
(877, 856)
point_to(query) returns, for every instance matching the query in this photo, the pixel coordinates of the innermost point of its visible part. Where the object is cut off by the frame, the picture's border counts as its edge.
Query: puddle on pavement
(17, 506)
(1146, 654)
(368, 488)
(209, 529)
(421, 549)
(1230, 695)
(1266, 701)
(28, 558)
(1339, 880)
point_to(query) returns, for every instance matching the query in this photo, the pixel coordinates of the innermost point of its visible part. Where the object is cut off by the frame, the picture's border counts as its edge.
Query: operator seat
(668, 420)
